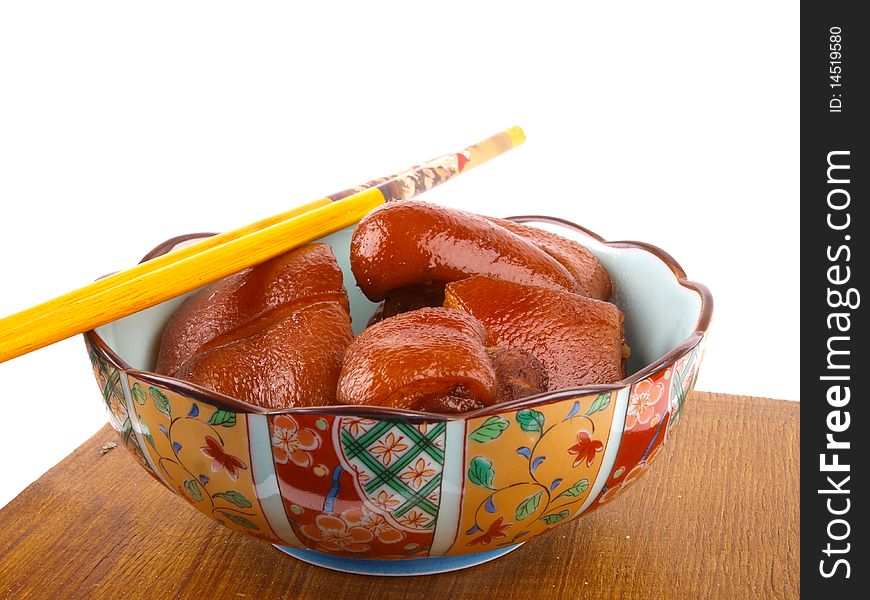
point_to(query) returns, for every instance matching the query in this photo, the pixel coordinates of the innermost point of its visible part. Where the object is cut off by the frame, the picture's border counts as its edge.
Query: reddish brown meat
(298, 277)
(413, 243)
(579, 340)
(518, 373)
(289, 357)
(431, 359)
(591, 276)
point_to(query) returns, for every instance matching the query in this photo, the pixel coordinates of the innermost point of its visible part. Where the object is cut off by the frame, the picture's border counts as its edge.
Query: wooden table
(716, 517)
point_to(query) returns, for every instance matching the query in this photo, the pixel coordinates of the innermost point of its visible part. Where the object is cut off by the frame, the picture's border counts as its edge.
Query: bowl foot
(395, 568)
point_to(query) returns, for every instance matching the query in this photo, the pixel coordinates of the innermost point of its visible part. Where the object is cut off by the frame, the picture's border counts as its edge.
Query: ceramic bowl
(377, 490)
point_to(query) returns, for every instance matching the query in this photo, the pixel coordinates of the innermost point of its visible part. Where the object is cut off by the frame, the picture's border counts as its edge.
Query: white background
(122, 125)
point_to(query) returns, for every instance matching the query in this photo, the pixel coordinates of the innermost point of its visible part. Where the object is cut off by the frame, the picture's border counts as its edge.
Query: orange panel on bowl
(529, 470)
(203, 454)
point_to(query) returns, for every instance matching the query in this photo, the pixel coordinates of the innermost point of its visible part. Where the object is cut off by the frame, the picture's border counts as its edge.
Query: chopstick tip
(517, 135)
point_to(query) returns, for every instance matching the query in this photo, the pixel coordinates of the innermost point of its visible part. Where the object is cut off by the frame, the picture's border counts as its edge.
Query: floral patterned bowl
(376, 490)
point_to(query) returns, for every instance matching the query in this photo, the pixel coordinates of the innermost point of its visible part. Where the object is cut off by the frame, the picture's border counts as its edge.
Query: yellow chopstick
(186, 269)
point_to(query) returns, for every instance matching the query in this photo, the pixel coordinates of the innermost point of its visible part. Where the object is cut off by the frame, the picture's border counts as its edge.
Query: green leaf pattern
(138, 394)
(576, 489)
(223, 418)
(192, 487)
(239, 520)
(531, 420)
(234, 497)
(528, 506)
(480, 472)
(600, 403)
(160, 401)
(490, 430)
(555, 517)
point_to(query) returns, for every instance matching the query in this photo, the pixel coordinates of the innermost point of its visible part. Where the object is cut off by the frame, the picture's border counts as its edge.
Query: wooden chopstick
(188, 268)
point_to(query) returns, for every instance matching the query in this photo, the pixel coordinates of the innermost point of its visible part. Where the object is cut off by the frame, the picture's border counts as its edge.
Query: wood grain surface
(717, 516)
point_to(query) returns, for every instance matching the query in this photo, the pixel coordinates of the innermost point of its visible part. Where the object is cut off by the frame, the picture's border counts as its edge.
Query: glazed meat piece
(591, 276)
(408, 298)
(289, 357)
(298, 277)
(413, 243)
(517, 372)
(579, 340)
(273, 335)
(431, 359)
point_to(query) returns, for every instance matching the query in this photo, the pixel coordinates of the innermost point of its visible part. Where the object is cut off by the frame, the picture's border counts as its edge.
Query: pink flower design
(585, 448)
(417, 475)
(642, 402)
(388, 448)
(220, 460)
(351, 531)
(342, 532)
(382, 530)
(292, 443)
